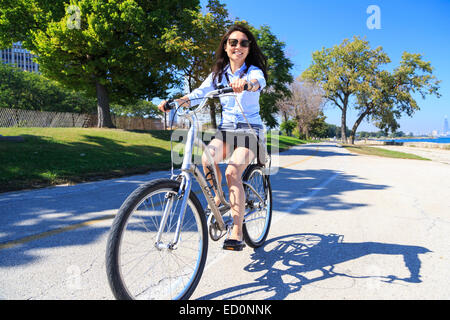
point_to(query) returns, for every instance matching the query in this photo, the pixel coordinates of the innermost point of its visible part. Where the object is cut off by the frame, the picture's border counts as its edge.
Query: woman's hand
(238, 85)
(184, 102)
(161, 106)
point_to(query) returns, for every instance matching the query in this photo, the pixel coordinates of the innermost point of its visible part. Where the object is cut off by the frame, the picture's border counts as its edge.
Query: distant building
(19, 57)
(445, 131)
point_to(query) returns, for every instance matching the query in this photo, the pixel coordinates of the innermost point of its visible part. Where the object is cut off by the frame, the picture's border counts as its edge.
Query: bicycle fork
(187, 170)
(183, 193)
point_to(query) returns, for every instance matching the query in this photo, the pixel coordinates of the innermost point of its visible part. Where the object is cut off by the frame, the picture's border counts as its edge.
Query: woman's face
(237, 53)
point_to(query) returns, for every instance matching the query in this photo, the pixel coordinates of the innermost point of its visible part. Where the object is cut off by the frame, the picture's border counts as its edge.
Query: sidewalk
(434, 154)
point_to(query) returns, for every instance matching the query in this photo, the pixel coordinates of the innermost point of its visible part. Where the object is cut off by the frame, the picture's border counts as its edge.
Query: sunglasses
(234, 43)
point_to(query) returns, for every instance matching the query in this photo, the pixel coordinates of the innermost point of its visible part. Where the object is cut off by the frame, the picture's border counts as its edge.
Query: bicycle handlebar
(227, 89)
(171, 103)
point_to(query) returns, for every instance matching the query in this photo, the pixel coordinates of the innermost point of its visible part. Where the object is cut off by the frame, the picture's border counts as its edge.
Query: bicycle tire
(118, 284)
(250, 238)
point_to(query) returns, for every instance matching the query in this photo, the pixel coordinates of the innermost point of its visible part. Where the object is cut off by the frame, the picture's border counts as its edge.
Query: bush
(31, 91)
(288, 126)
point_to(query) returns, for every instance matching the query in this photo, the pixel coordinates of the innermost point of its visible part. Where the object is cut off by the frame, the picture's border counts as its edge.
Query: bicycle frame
(188, 169)
(164, 212)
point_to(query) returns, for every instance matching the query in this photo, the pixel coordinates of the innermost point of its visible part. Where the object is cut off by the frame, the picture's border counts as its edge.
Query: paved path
(434, 154)
(345, 226)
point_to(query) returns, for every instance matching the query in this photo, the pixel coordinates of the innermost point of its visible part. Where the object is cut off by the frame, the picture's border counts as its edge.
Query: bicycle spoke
(149, 271)
(258, 207)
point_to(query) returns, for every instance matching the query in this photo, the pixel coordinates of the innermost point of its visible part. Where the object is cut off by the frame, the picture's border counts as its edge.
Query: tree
(354, 70)
(278, 72)
(341, 69)
(142, 109)
(304, 104)
(119, 51)
(205, 35)
(318, 128)
(385, 96)
(288, 126)
(19, 18)
(205, 40)
(279, 76)
(31, 91)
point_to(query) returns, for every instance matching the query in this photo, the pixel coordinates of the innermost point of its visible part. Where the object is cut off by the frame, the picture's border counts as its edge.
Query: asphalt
(345, 226)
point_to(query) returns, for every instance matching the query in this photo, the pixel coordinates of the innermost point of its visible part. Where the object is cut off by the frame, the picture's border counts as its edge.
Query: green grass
(69, 155)
(285, 142)
(373, 151)
(51, 156)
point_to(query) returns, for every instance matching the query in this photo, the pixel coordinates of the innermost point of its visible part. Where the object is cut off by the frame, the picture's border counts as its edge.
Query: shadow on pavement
(317, 151)
(292, 261)
(45, 210)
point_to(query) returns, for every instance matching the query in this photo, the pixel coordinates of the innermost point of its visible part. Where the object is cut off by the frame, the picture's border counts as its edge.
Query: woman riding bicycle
(239, 62)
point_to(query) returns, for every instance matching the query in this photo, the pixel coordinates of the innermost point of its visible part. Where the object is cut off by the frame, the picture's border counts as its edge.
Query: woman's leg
(218, 150)
(239, 160)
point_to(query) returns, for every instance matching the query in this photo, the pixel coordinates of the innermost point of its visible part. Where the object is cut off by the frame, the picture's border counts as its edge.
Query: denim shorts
(241, 135)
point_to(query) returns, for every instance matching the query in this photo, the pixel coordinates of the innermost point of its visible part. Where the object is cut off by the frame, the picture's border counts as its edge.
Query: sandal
(233, 245)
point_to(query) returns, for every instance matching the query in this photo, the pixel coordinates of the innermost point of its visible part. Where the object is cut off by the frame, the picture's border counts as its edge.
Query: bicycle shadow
(293, 261)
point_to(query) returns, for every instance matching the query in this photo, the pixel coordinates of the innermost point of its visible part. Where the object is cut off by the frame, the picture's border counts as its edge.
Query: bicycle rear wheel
(140, 268)
(258, 210)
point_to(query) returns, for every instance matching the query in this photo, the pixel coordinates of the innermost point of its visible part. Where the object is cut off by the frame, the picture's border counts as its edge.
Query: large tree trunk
(104, 115)
(344, 125)
(212, 113)
(356, 125)
(344, 119)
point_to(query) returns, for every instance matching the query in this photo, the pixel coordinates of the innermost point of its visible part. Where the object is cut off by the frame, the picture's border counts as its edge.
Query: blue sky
(414, 26)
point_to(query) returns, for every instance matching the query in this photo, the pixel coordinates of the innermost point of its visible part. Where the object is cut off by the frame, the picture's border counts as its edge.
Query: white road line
(301, 201)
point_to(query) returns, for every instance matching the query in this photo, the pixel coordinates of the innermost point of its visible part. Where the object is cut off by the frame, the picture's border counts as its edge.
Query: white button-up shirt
(231, 113)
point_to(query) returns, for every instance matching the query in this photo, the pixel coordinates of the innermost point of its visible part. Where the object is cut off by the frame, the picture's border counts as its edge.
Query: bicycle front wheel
(141, 267)
(258, 206)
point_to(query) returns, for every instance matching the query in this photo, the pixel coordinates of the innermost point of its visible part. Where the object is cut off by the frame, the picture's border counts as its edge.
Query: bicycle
(158, 242)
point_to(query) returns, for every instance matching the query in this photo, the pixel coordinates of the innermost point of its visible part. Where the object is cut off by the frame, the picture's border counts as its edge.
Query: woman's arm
(255, 85)
(195, 95)
(183, 101)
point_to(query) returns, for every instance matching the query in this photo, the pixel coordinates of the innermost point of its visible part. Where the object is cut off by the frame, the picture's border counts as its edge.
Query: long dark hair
(255, 56)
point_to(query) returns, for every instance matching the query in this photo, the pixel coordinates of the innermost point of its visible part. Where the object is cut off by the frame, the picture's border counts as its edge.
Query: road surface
(345, 226)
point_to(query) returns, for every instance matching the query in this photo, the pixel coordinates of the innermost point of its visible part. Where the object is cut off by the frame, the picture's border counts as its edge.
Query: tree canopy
(279, 74)
(118, 49)
(31, 91)
(304, 105)
(204, 36)
(354, 70)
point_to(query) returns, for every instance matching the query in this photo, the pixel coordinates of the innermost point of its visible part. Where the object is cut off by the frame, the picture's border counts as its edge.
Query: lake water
(434, 140)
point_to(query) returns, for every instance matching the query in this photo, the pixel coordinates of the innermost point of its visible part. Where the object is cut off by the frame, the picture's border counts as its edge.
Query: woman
(239, 61)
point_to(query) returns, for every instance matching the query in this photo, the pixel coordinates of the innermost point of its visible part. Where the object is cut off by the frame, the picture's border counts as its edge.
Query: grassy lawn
(373, 151)
(285, 142)
(50, 156)
(69, 155)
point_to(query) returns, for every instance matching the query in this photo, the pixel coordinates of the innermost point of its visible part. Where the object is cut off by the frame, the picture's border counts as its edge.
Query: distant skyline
(445, 129)
(414, 26)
